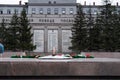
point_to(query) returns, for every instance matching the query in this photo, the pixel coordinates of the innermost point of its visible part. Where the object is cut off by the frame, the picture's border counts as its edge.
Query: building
(51, 21)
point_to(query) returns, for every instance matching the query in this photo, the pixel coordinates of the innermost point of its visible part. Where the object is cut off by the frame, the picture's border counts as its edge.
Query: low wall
(95, 54)
(68, 67)
(105, 54)
(9, 54)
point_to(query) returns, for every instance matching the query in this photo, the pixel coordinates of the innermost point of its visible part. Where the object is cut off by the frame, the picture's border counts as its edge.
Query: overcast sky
(97, 2)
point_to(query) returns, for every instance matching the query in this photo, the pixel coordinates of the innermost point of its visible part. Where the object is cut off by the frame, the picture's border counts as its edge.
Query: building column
(45, 39)
(59, 39)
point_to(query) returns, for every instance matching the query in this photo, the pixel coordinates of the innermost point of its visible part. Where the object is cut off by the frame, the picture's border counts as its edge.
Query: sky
(88, 2)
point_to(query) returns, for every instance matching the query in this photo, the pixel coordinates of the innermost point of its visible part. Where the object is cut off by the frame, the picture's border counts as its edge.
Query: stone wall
(72, 67)
(61, 69)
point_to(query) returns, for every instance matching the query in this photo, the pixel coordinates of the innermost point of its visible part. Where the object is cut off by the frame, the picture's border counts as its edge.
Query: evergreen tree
(96, 34)
(79, 31)
(108, 27)
(108, 23)
(13, 33)
(90, 24)
(116, 30)
(25, 33)
(3, 32)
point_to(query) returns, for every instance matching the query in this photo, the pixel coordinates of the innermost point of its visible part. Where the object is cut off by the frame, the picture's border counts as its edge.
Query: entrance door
(52, 40)
(66, 41)
(39, 40)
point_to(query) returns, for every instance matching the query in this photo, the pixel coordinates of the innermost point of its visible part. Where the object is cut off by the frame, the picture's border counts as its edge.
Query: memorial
(61, 67)
(58, 66)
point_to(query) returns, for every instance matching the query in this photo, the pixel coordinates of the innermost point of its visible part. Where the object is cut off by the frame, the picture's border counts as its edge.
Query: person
(53, 51)
(1, 48)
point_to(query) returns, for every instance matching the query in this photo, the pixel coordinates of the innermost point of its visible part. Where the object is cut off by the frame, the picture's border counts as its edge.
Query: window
(47, 20)
(95, 11)
(31, 20)
(39, 20)
(56, 11)
(89, 11)
(48, 11)
(63, 11)
(8, 11)
(71, 10)
(33, 10)
(51, 20)
(118, 11)
(54, 2)
(41, 11)
(1, 11)
(16, 11)
(49, 2)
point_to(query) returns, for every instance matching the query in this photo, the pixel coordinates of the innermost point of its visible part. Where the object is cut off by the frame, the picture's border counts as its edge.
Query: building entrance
(52, 40)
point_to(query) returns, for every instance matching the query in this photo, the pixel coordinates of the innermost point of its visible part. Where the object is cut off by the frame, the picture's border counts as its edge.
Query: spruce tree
(108, 27)
(13, 33)
(108, 23)
(116, 30)
(79, 31)
(25, 33)
(90, 24)
(3, 32)
(96, 34)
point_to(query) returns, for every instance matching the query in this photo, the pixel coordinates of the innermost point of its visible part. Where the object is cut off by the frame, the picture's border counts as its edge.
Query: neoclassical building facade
(51, 21)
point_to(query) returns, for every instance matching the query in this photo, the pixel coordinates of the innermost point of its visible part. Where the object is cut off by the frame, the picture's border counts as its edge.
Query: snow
(55, 57)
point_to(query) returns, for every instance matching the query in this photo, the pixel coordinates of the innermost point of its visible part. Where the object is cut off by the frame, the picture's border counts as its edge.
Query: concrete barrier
(54, 69)
(67, 67)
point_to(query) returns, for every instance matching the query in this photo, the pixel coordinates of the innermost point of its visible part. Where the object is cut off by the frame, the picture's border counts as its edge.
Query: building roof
(11, 5)
(57, 4)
